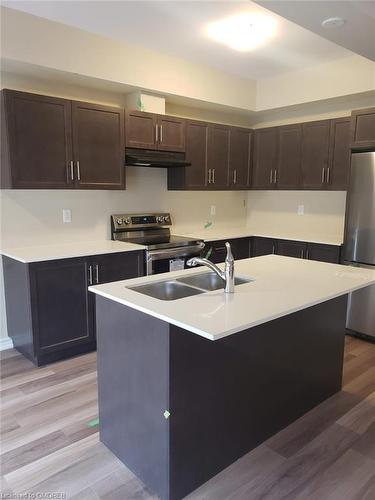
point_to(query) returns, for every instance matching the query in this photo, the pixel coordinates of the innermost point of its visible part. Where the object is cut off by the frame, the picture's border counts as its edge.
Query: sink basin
(166, 290)
(209, 281)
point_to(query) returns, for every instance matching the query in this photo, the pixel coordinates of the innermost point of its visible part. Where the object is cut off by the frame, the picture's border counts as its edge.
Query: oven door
(161, 261)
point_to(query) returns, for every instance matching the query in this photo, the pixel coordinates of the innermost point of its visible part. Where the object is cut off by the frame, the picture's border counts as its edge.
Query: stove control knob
(119, 221)
(167, 218)
(127, 220)
(160, 219)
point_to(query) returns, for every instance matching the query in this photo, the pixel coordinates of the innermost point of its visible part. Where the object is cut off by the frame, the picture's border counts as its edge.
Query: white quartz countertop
(68, 250)
(214, 234)
(282, 285)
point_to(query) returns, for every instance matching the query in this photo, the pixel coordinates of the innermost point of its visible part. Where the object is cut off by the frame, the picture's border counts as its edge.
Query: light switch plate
(301, 210)
(67, 215)
(213, 210)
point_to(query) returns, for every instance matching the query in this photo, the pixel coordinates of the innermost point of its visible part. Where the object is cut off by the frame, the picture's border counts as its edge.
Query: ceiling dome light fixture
(243, 32)
(333, 22)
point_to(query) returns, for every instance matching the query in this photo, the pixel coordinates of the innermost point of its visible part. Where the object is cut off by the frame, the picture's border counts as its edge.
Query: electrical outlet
(213, 210)
(301, 210)
(67, 215)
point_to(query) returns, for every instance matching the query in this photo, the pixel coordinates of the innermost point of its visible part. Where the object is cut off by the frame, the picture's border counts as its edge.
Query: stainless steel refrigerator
(359, 246)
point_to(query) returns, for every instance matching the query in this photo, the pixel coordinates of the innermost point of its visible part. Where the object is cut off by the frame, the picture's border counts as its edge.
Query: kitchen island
(187, 386)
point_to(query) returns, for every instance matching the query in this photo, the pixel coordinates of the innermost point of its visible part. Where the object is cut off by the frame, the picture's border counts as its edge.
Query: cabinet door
(291, 248)
(216, 251)
(339, 162)
(218, 156)
(263, 246)
(363, 128)
(195, 175)
(171, 133)
(265, 158)
(315, 151)
(39, 141)
(239, 157)
(324, 253)
(289, 157)
(63, 309)
(98, 144)
(140, 130)
(117, 266)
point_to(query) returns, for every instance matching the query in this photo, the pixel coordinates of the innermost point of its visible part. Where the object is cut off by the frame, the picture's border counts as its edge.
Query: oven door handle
(168, 253)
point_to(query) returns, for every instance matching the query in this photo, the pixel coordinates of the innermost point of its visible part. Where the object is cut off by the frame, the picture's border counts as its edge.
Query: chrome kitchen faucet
(227, 275)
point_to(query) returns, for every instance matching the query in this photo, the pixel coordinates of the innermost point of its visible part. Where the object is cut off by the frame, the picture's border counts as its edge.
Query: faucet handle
(229, 256)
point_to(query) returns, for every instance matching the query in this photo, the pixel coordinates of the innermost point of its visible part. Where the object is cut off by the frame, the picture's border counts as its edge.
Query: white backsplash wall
(275, 212)
(34, 217)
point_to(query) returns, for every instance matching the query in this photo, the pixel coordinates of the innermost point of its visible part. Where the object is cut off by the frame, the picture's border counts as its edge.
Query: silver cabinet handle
(71, 170)
(90, 275)
(78, 171)
(275, 176)
(273, 249)
(97, 273)
(271, 172)
(161, 133)
(209, 176)
(323, 174)
(156, 133)
(235, 176)
(307, 254)
(213, 176)
(328, 175)
(302, 254)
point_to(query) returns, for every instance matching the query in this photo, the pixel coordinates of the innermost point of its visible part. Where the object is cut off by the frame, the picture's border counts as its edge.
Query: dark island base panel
(225, 397)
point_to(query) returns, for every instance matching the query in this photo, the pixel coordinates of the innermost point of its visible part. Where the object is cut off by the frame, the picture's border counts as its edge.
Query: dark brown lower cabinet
(216, 250)
(324, 253)
(291, 248)
(262, 246)
(50, 312)
(299, 249)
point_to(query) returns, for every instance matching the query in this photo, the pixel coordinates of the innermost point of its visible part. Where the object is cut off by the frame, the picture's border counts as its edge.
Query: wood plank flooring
(49, 446)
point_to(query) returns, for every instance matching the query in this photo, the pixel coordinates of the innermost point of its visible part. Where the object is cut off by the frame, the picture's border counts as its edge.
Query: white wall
(34, 217)
(347, 76)
(275, 212)
(33, 40)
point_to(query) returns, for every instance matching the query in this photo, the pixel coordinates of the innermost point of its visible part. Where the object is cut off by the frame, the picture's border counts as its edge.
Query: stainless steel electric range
(164, 251)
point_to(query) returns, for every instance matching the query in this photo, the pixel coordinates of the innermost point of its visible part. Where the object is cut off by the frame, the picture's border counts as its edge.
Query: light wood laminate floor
(49, 446)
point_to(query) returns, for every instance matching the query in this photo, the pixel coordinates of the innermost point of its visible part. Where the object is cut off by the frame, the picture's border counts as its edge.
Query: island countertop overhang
(281, 286)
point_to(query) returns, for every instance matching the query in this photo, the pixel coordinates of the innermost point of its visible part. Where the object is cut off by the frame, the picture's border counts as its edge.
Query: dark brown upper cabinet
(363, 128)
(218, 156)
(315, 154)
(265, 158)
(240, 146)
(98, 146)
(36, 142)
(337, 177)
(171, 133)
(52, 143)
(288, 170)
(151, 131)
(194, 176)
(140, 130)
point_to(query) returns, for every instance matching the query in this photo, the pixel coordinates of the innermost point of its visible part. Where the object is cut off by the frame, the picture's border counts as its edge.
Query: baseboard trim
(6, 343)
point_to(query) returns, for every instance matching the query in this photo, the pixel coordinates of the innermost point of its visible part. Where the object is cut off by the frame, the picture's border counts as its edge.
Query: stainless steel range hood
(150, 158)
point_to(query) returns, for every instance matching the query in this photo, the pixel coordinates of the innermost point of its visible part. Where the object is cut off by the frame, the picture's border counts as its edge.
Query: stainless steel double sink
(185, 287)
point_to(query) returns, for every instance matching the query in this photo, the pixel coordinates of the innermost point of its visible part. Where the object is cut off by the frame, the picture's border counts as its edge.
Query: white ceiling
(176, 28)
(358, 32)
